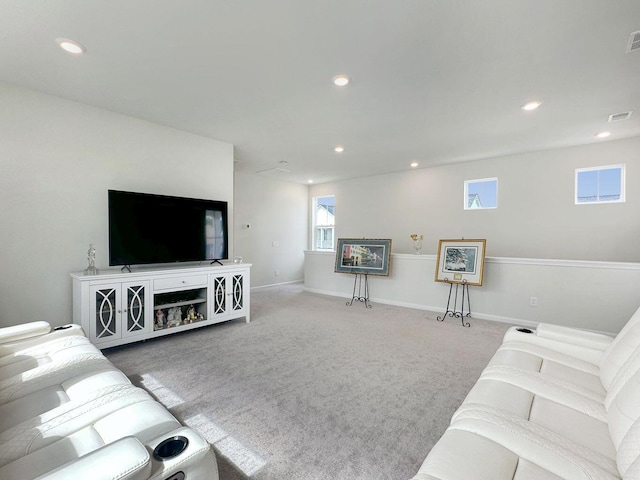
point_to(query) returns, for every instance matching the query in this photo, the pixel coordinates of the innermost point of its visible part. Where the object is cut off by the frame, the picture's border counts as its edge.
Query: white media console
(116, 308)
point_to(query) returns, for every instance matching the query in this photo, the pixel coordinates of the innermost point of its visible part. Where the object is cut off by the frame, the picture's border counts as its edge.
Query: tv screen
(145, 228)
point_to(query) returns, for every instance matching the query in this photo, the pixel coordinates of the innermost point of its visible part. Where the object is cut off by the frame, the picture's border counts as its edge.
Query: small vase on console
(417, 242)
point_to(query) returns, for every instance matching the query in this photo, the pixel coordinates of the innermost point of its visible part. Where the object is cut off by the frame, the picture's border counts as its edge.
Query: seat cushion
(74, 430)
(488, 445)
(74, 391)
(574, 425)
(553, 452)
(49, 374)
(57, 351)
(554, 364)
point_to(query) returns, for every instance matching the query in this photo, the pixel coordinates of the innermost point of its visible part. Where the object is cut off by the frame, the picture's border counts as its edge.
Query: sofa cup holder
(524, 330)
(170, 447)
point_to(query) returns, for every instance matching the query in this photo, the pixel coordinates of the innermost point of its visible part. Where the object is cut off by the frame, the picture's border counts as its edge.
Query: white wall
(536, 215)
(598, 296)
(277, 212)
(58, 160)
(536, 218)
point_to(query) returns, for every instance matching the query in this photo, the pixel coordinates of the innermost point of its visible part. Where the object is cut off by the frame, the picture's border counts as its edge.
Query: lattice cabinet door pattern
(105, 319)
(229, 294)
(237, 290)
(119, 310)
(136, 312)
(219, 306)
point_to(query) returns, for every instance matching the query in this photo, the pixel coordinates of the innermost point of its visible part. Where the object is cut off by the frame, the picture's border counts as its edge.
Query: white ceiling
(435, 81)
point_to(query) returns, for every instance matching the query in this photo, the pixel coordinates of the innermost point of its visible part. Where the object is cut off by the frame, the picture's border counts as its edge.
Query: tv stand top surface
(146, 270)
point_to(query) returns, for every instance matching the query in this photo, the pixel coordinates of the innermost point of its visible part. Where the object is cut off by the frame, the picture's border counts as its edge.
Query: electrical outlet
(276, 272)
(275, 243)
(533, 301)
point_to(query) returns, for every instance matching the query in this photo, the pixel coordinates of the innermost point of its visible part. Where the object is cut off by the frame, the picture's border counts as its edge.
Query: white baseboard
(430, 308)
(326, 292)
(276, 284)
(511, 321)
(481, 316)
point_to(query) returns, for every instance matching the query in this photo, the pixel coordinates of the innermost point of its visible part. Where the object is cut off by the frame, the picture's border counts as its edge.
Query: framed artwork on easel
(365, 256)
(461, 261)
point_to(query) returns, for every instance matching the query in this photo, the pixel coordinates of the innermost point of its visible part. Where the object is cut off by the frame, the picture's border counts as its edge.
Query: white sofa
(554, 403)
(67, 413)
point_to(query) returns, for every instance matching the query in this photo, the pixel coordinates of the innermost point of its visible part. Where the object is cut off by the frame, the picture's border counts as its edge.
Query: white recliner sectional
(554, 403)
(67, 413)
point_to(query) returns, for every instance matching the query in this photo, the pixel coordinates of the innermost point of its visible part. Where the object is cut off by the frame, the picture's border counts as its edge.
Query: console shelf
(115, 308)
(160, 306)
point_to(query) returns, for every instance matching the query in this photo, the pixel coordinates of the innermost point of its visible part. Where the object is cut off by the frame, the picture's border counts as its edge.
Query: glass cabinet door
(219, 306)
(119, 310)
(237, 282)
(136, 310)
(105, 317)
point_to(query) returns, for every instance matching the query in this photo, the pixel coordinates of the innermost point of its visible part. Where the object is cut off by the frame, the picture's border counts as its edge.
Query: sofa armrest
(587, 346)
(24, 331)
(196, 461)
(124, 459)
(573, 336)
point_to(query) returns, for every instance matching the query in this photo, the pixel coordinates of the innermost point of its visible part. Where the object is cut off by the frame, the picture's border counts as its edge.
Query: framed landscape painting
(369, 256)
(461, 261)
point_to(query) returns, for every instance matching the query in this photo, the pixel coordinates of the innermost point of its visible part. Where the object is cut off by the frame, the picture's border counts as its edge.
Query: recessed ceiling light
(603, 134)
(530, 106)
(414, 164)
(309, 181)
(341, 80)
(70, 46)
(339, 149)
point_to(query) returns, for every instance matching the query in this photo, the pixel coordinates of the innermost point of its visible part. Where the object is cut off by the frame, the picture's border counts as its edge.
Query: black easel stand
(454, 313)
(357, 283)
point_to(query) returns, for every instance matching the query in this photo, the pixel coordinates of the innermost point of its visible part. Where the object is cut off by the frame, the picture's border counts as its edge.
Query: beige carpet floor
(313, 389)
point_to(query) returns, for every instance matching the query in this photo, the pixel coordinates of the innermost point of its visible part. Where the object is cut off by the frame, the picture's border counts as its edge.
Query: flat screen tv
(146, 229)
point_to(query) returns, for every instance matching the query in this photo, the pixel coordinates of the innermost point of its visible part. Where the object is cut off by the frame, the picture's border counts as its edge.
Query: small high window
(481, 194)
(324, 220)
(600, 184)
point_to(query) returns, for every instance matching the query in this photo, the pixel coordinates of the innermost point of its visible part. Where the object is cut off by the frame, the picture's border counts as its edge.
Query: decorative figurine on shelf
(91, 258)
(199, 317)
(174, 317)
(417, 242)
(161, 321)
(191, 314)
